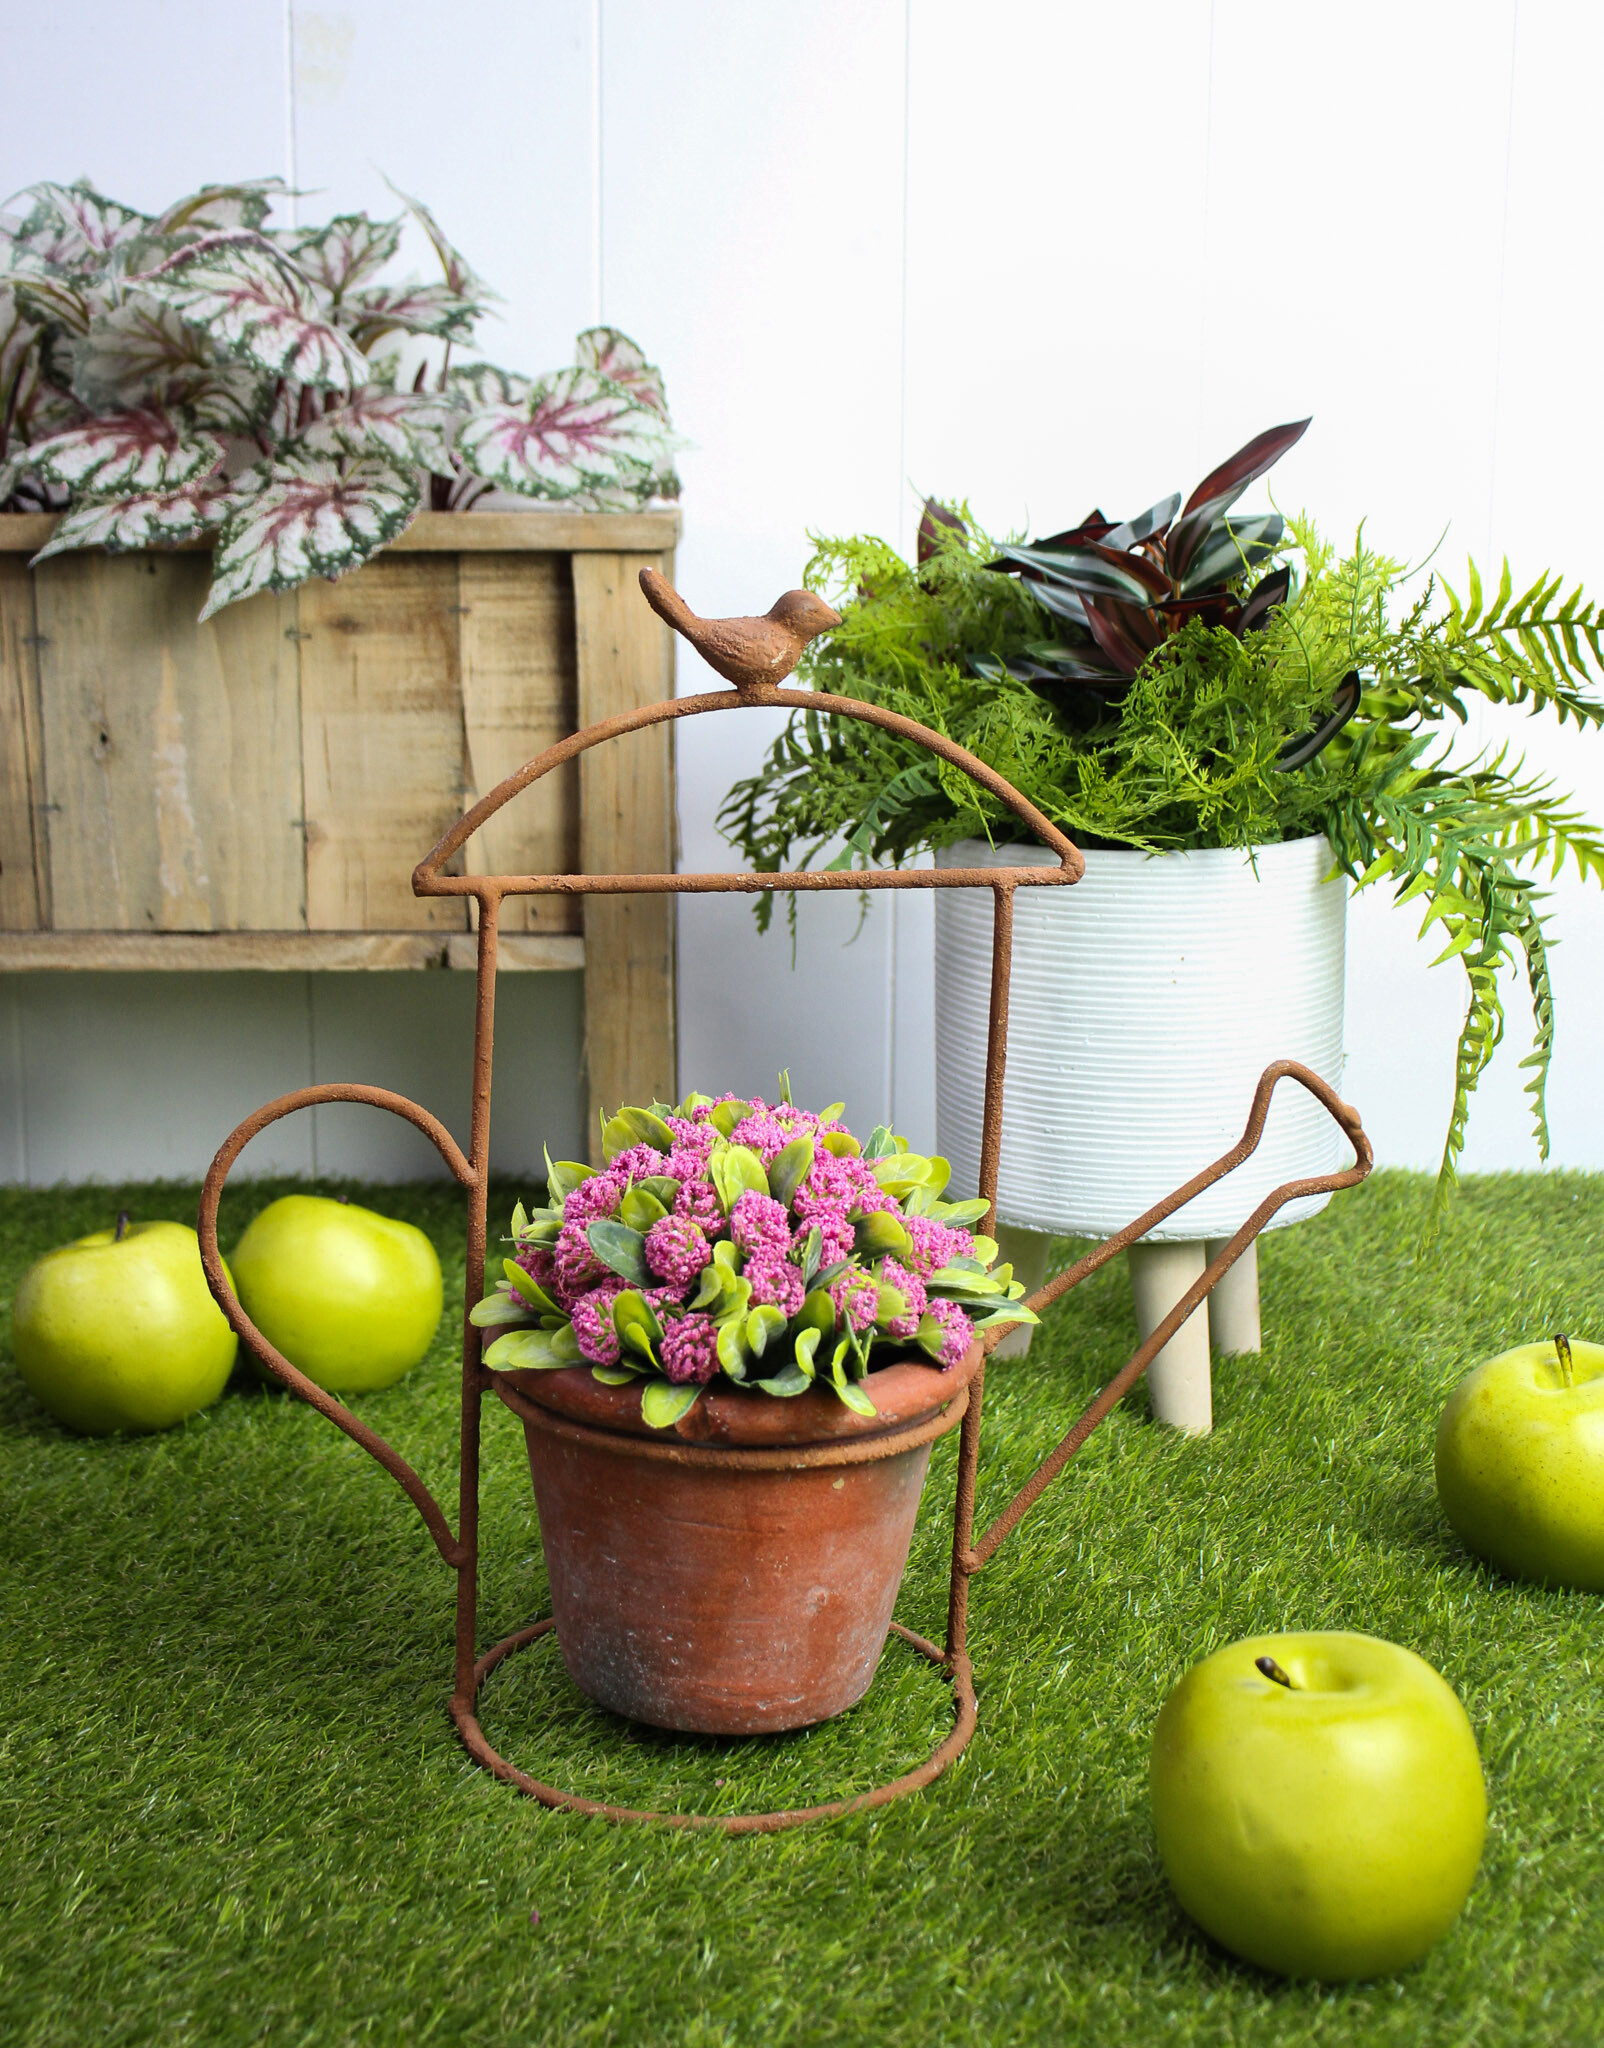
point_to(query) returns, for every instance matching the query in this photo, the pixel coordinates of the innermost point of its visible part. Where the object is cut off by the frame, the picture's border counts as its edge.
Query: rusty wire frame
(969, 1556)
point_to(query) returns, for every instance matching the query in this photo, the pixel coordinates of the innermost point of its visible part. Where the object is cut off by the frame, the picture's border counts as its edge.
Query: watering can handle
(449, 1547)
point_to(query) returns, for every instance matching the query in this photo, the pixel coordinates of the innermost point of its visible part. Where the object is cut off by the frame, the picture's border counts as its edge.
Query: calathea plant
(1189, 678)
(165, 377)
(750, 1241)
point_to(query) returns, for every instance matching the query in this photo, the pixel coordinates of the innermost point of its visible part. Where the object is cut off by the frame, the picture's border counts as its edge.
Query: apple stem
(122, 1226)
(1273, 1672)
(1562, 1344)
(342, 1198)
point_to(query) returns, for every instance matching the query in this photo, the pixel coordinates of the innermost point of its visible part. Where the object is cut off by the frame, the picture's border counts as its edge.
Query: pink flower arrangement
(751, 1239)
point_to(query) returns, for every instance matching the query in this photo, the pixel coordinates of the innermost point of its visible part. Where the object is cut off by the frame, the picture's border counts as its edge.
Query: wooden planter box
(255, 792)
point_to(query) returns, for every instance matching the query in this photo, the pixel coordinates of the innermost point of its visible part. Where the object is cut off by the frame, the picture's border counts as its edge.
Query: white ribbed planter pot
(1144, 1004)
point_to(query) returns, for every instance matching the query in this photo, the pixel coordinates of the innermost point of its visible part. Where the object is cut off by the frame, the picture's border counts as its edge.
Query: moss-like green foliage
(1188, 755)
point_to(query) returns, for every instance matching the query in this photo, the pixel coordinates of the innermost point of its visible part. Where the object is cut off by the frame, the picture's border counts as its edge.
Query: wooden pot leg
(1178, 1379)
(1234, 1304)
(1026, 1252)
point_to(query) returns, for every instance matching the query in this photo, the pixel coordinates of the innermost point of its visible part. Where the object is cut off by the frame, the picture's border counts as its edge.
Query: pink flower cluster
(769, 1240)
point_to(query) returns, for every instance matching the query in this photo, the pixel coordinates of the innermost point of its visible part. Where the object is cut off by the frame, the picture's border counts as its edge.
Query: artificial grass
(234, 1810)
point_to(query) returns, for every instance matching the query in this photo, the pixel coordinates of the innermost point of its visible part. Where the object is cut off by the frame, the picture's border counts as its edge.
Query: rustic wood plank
(279, 952)
(537, 532)
(21, 770)
(172, 751)
(382, 741)
(625, 659)
(518, 698)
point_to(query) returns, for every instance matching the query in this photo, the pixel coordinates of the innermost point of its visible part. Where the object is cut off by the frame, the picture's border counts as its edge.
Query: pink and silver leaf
(73, 227)
(293, 518)
(459, 275)
(410, 427)
(142, 354)
(140, 450)
(347, 249)
(255, 303)
(53, 300)
(149, 519)
(244, 205)
(570, 432)
(429, 309)
(621, 361)
(483, 384)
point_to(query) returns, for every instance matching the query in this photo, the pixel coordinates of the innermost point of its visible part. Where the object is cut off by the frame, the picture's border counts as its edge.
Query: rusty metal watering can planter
(736, 1574)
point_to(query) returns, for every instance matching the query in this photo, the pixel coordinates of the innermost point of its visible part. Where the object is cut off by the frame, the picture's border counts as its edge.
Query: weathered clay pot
(734, 1576)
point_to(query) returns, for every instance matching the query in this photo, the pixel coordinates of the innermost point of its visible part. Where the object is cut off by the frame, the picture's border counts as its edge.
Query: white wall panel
(752, 167)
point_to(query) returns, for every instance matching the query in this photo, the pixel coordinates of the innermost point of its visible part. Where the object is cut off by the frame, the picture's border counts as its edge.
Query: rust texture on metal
(802, 1466)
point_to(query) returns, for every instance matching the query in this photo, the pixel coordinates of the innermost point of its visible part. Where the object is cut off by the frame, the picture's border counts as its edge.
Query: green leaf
(620, 1249)
(1007, 1312)
(736, 1170)
(728, 1115)
(497, 1309)
(763, 1324)
(635, 1127)
(732, 1346)
(531, 1290)
(930, 1336)
(640, 1210)
(881, 1232)
(817, 1312)
(842, 1144)
(613, 1375)
(854, 1397)
(890, 1303)
(882, 1143)
(520, 1220)
(790, 1167)
(812, 1252)
(961, 1214)
(807, 1343)
(662, 1185)
(532, 1351)
(662, 1405)
(637, 1325)
(787, 1382)
(785, 1085)
(564, 1177)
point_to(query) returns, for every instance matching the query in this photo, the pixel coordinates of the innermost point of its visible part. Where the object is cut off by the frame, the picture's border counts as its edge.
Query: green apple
(118, 1331)
(350, 1297)
(1520, 1462)
(1319, 1803)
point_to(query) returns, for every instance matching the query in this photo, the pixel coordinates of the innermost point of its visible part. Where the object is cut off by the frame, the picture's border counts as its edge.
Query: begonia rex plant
(168, 377)
(750, 1239)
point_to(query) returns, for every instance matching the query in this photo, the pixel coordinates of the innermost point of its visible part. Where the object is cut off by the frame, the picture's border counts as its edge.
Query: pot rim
(739, 1428)
(966, 853)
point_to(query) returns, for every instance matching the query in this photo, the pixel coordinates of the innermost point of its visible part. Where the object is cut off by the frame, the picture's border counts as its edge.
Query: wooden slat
(279, 952)
(382, 740)
(449, 533)
(626, 658)
(561, 533)
(21, 769)
(518, 698)
(172, 751)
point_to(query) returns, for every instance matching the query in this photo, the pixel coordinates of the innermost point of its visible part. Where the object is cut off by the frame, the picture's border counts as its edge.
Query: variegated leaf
(621, 361)
(556, 436)
(244, 205)
(150, 519)
(293, 518)
(459, 275)
(52, 299)
(254, 302)
(126, 451)
(72, 227)
(483, 384)
(411, 427)
(349, 248)
(435, 309)
(142, 354)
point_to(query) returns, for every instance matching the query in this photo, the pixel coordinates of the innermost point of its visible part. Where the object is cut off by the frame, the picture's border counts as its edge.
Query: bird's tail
(666, 601)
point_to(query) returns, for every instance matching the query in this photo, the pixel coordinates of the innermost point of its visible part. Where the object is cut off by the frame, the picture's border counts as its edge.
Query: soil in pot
(735, 1576)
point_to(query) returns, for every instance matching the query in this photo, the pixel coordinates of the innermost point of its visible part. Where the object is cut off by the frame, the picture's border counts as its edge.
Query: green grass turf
(233, 1809)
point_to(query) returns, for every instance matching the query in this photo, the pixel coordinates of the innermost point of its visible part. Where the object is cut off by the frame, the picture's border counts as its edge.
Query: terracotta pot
(736, 1575)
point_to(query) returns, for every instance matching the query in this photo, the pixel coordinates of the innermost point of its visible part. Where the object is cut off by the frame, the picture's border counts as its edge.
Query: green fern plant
(1219, 737)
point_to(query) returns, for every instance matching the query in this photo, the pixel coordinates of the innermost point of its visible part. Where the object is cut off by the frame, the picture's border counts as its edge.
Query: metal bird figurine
(745, 652)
